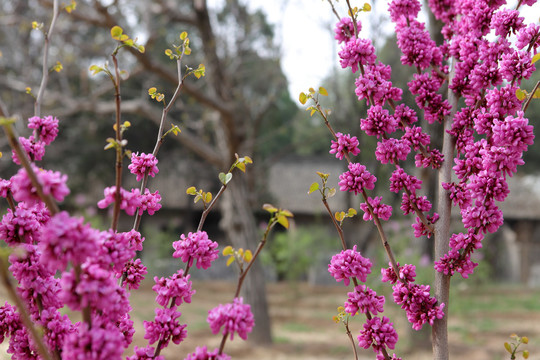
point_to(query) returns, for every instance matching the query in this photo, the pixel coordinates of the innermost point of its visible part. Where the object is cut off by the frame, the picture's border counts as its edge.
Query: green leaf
(241, 166)
(207, 197)
(230, 260)
(331, 192)
(183, 35)
(303, 98)
(351, 212)
(286, 212)
(116, 32)
(535, 58)
(313, 187)
(191, 190)
(521, 95)
(270, 208)
(339, 216)
(225, 178)
(248, 160)
(536, 94)
(228, 251)
(366, 7)
(95, 69)
(323, 91)
(508, 347)
(152, 91)
(283, 221)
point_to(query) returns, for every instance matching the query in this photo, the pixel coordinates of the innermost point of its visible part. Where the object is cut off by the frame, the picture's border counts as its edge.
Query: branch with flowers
(485, 134)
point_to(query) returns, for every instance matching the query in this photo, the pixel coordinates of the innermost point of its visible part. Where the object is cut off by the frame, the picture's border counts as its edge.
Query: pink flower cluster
(144, 164)
(165, 327)
(176, 287)
(132, 201)
(232, 318)
(196, 247)
(202, 353)
(344, 145)
(356, 179)
(348, 264)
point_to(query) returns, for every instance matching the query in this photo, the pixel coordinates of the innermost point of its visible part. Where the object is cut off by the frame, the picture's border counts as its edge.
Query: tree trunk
(238, 222)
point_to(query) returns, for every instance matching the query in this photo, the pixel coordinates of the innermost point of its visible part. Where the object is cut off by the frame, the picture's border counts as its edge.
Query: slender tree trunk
(441, 284)
(238, 222)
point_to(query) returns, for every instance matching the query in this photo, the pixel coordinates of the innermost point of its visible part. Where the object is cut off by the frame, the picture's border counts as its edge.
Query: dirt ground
(303, 328)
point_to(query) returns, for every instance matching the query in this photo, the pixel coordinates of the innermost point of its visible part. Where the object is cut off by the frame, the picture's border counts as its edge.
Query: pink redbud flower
(416, 44)
(356, 51)
(418, 304)
(22, 225)
(196, 247)
(201, 353)
(356, 179)
(379, 122)
(149, 201)
(47, 128)
(146, 353)
(345, 144)
(365, 300)
(143, 164)
(52, 182)
(344, 29)
(526, 35)
(34, 149)
(133, 273)
(130, 201)
(392, 150)
(65, 239)
(349, 263)
(165, 327)
(95, 343)
(409, 9)
(116, 250)
(235, 317)
(401, 180)
(378, 334)
(374, 84)
(506, 22)
(177, 287)
(383, 211)
(5, 187)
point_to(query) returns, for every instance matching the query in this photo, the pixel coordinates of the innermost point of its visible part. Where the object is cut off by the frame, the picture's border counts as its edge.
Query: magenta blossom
(345, 144)
(378, 334)
(196, 247)
(231, 318)
(356, 179)
(165, 327)
(52, 182)
(177, 287)
(201, 353)
(46, 127)
(349, 263)
(143, 164)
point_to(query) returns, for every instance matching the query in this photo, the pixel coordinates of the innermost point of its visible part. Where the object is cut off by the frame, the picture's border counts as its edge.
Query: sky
(304, 32)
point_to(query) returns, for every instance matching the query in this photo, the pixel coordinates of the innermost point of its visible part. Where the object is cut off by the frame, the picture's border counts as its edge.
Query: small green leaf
(312, 112)
(169, 52)
(508, 347)
(116, 32)
(536, 94)
(323, 91)
(152, 91)
(339, 216)
(208, 197)
(366, 7)
(230, 260)
(270, 208)
(287, 213)
(248, 255)
(351, 212)
(241, 166)
(225, 178)
(95, 69)
(521, 94)
(283, 221)
(525, 354)
(228, 251)
(313, 187)
(191, 190)
(248, 160)
(303, 98)
(535, 58)
(183, 35)
(331, 192)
